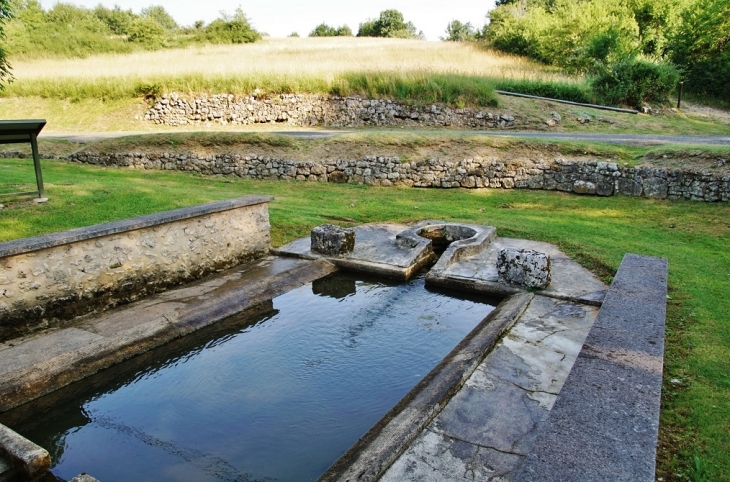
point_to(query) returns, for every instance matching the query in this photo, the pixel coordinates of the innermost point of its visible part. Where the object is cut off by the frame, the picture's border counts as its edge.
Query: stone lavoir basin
(278, 394)
(351, 356)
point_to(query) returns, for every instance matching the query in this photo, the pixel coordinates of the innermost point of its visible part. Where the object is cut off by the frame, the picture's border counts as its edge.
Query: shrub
(459, 32)
(234, 29)
(634, 82)
(324, 30)
(390, 24)
(145, 31)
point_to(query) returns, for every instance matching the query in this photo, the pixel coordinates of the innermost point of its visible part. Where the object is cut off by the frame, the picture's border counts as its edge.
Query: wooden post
(679, 98)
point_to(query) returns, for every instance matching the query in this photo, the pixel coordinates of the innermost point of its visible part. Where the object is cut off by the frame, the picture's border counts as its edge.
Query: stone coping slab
(41, 363)
(478, 272)
(605, 422)
(26, 245)
(21, 459)
(485, 431)
(376, 252)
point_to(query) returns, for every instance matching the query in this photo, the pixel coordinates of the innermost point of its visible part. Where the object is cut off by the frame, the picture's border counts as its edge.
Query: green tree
(702, 47)
(161, 16)
(116, 19)
(5, 14)
(459, 32)
(390, 24)
(145, 30)
(324, 30)
(234, 28)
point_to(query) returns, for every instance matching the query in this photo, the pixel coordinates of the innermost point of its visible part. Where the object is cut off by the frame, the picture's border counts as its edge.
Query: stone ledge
(605, 422)
(27, 245)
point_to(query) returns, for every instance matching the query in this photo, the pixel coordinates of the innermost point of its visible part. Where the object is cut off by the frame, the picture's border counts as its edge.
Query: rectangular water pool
(279, 394)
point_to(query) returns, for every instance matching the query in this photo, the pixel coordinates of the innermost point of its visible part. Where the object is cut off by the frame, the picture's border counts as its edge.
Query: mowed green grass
(694, 236)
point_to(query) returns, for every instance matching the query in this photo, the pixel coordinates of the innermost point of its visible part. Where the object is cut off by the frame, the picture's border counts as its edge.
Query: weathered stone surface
(47, 279)
(25, 456)
(527, 268)
(586, 177)
(604, 424)
(84, 478)
(332, 240)
(311, 110)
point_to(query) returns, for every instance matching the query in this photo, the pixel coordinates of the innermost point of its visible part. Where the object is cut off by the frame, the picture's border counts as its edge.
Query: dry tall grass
(293, 56)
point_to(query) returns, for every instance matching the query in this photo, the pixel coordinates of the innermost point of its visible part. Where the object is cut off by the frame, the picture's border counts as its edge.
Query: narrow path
(623, 139)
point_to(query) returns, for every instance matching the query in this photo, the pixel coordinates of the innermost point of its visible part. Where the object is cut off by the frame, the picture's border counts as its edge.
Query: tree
(160, 15)
(116, 19)
(324, 30)
(234, 28)
(390, 24)
(702, 47)
(5, 14)
(459, 32)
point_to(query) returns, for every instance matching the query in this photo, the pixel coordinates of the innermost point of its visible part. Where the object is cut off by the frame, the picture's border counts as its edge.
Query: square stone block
(524, 267)
(332, 240)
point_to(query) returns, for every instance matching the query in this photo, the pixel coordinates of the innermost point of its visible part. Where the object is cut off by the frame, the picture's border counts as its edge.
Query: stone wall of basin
(314, 110)
(591, 177)
(46, 280)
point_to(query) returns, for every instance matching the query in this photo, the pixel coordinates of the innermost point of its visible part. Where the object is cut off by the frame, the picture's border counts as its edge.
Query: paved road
(625, 139)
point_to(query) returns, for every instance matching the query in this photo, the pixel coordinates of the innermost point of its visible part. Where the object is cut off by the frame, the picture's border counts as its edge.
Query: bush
(390, 24)
(324, 30)
(635, 82)
(145, 31)
(235, 29)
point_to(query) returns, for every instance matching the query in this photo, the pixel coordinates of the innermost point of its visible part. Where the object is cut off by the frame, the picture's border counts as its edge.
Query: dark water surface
(274, 395)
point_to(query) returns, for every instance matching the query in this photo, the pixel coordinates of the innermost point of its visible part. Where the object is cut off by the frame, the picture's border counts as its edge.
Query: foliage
(160, 16)
(67, 30)
(116, 19)
(702, 47)
(390, 24)
(460, 32)
(145, 31)
(5, 14)
(584, 36)
(553, 90)
(324, 30)
(635, 82)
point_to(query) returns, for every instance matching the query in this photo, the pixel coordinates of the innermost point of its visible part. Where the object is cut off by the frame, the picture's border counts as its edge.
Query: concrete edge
(28, 460)
(26, 245)
(371, 456)
(62, 370)
(605, 422)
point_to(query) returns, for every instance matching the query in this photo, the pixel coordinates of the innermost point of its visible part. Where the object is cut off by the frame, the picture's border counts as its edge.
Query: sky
(279, 18)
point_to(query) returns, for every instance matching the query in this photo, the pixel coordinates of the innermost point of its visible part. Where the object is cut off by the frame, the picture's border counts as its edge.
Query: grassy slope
(103, 92)
(695, 429)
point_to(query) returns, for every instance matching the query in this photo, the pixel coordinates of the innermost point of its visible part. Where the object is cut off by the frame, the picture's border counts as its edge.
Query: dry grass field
(297, 57)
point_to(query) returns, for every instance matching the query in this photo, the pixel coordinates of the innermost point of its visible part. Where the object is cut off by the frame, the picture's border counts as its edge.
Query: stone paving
(488, 427)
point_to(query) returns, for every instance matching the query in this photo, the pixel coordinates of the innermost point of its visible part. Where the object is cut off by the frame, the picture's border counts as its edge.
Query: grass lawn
(694, 236)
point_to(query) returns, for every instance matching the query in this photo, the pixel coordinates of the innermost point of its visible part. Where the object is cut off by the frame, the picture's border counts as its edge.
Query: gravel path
(626, 139)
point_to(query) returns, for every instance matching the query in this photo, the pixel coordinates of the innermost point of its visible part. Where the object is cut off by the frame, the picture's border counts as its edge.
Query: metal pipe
(592, 106)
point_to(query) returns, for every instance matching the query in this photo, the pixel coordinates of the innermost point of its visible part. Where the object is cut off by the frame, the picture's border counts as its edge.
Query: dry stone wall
(312, 110)
(593, 177)
(47, 279)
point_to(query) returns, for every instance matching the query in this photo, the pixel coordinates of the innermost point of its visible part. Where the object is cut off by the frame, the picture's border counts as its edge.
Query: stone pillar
(524, 267)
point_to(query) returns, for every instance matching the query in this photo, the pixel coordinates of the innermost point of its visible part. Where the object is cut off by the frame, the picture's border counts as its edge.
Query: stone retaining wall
(596, 178)
(312, 110)
(45, 280)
